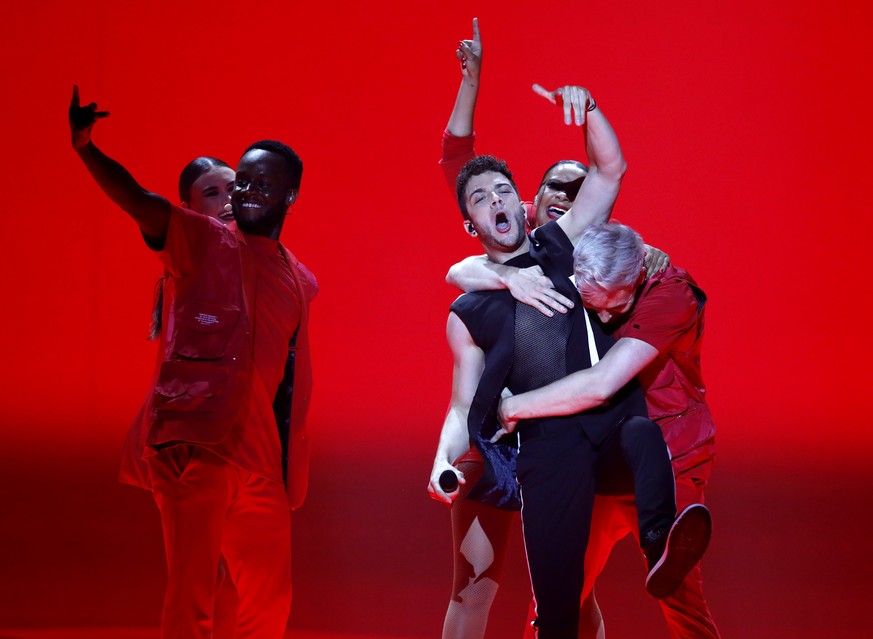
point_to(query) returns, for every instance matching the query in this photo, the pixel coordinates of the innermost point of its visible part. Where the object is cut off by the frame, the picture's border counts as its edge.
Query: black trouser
(560, 470)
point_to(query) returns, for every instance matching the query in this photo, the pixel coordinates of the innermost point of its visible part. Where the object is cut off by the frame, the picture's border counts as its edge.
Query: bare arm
(583, 389)
(469, 55)
(527, 285)
(607, 161)
(458, 138)
(150, 211)
(469, 362)
(596, 198)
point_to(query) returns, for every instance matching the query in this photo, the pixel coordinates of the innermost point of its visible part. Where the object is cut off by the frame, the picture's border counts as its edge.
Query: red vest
(202, 379)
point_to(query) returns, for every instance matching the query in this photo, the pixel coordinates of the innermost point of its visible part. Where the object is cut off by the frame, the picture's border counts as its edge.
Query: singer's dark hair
(477, 166)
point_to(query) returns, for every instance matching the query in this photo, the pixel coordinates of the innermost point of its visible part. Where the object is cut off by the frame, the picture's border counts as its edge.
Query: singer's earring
(471, 229)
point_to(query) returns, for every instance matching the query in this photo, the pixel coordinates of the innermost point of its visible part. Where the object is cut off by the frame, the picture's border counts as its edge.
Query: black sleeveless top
(524, 350)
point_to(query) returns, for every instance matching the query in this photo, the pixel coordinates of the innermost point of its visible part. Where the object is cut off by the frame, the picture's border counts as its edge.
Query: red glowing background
(746, 129)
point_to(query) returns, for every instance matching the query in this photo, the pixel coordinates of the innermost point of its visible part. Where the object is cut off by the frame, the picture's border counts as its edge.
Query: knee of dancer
(476, 596)
(641, 432)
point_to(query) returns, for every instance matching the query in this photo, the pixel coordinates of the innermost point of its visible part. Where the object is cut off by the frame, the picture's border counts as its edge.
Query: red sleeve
(310, 284)
(188, 238)
(457, 151)
(665, 312)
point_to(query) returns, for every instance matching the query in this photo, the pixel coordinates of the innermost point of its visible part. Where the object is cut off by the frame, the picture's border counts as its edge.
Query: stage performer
(659, 324)
(497, 343)
(481, 530)
(686, 611)
(235, 322)
(205, 186)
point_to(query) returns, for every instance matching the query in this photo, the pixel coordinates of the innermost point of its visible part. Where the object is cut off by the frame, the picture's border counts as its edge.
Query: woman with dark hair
(205, 185)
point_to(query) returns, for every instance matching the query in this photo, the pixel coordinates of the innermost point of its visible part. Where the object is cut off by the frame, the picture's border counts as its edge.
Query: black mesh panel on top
(540, 348)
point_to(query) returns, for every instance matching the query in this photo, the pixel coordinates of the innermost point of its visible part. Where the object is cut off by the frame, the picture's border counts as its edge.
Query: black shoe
(672, 554)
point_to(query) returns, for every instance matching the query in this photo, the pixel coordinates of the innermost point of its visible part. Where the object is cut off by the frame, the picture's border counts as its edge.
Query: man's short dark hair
(477, 166)
(295, 164)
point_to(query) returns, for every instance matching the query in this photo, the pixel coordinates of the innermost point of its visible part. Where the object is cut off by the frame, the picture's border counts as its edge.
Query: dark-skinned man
(235, 317)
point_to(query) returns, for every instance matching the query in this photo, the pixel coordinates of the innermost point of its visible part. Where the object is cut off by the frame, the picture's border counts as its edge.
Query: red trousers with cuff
(211, 508)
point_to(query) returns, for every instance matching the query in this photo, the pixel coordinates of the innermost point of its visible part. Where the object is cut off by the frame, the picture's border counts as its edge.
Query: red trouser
(210, 508)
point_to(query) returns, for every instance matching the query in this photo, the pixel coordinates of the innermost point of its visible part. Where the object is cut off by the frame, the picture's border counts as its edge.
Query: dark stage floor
(82, 558)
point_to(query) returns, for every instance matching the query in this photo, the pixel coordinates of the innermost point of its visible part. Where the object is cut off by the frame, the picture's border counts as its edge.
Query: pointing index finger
(476, 38)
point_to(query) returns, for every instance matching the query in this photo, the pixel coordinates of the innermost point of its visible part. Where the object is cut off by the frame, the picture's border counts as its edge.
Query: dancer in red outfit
(236, 306)
(205, 186)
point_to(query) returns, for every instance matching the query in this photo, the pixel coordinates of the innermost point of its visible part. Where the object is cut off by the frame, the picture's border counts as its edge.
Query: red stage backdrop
(746, 129)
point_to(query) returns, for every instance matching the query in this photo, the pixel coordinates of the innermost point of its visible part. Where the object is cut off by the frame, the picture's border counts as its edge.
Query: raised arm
(150, 211)
(583, 389)
(478, 273)
(469, 54)
(593, 204)
(458, 137)
(469, 362)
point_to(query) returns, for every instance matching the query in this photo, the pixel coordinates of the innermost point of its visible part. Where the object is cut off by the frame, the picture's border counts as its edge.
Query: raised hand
(577, 101)
(82, 120)
(469, 54)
